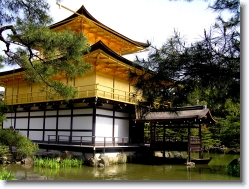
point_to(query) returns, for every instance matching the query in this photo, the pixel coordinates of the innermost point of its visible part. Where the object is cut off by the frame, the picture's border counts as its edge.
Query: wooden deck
(91, 144)
(104, 144)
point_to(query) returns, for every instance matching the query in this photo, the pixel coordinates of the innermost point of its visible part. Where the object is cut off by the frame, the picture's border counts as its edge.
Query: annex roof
(179, 116)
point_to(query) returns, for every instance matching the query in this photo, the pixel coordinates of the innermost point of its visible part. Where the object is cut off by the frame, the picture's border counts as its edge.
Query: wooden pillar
(113, 125)
(200, 136)
(71, 123)
(154, 132)
(93, 125)
(94, 152)
(164, 140)
(151, 125)
(152, 138)
(189, 154)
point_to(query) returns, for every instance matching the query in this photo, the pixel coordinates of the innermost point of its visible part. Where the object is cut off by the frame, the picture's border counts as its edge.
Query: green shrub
(53, 164)
(46, 163)
(25, 147)
(4, 150)
(233, 170)
(5, 175)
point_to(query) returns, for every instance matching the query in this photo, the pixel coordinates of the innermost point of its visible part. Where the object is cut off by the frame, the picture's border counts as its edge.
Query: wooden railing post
(104, 145)
(69, 139)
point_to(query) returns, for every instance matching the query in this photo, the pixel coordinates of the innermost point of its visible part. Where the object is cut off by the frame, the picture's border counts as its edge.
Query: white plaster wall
(10, 114)
(36, 123)
(24, 133)
(82, 111)
(50, 123)
(40, 113)
(103, 128)
(7, 123)
(121, 114)
(64, 122)
(21, 123)
(64, 112)
(82, 122)
(19, 114)
(84, 134)
(46, 133)
(67, 133)
(51, 112)
(35, 135)
(121, 129)
(65, 136)
(104, 112)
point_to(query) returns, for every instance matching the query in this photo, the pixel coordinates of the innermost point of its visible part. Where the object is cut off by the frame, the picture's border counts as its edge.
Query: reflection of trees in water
(21, 171)
(50, 173)
(125, 172)
(113, 172)
(197, 172)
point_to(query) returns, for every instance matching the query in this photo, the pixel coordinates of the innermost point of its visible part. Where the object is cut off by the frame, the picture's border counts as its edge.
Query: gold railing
(83, 92)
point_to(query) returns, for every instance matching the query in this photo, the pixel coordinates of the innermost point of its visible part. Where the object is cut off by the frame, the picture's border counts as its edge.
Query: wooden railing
(88, 140)
(83, 92)
(193, 139)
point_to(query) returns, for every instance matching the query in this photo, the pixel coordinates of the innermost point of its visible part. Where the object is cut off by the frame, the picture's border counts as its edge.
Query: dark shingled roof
(179, 116)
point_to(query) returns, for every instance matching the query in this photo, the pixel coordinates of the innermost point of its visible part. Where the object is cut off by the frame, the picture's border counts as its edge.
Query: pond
(214, 171)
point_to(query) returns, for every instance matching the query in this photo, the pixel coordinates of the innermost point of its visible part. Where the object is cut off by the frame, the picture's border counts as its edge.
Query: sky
(142, 20)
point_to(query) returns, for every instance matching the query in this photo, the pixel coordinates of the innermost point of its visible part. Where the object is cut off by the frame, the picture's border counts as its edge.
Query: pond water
(215, 170)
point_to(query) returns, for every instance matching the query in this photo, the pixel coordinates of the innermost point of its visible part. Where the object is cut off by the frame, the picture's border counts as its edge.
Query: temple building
(102, 118)
(105, 103)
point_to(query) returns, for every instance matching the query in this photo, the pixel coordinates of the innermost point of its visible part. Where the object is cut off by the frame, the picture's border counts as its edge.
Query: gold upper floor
(109, 77)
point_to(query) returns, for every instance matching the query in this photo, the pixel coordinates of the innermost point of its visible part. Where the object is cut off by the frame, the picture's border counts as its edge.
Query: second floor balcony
(86, 91)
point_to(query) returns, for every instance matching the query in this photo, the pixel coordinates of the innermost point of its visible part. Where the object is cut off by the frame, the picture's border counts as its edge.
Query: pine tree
(39, 51)
(210, 66)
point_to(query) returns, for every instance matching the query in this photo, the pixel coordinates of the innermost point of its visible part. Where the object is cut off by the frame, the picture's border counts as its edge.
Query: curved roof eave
(11, 71)
(96, 46)
(82, 10)
(103, 47)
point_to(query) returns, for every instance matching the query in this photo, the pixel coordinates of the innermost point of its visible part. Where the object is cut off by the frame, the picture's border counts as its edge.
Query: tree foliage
(41, 52)
(3, 108)
(206, 71)
(25, 147)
